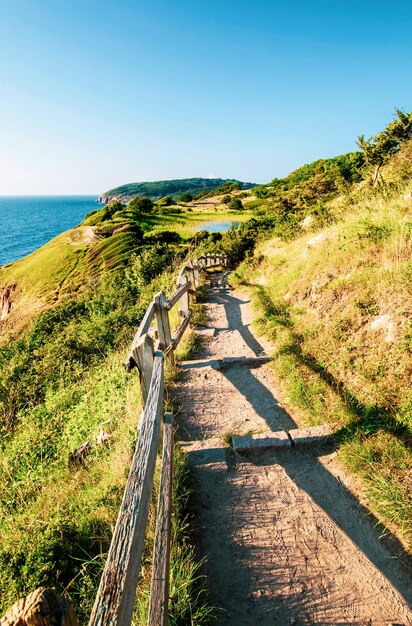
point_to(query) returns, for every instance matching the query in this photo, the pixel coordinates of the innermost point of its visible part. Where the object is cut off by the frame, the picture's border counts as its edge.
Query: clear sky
(94, 94)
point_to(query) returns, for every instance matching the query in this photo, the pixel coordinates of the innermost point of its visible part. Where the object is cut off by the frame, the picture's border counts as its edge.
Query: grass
(189, 602)
(227, 439)
(318, 304)
(73, 261)
(69, 512)
(188, 223)
(62, 384)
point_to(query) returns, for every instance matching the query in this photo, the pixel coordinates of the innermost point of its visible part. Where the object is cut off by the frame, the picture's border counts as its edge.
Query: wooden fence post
(184, 301)
(114, 602)
(143, 355)
(196, 273)
(163, 324)
(159, 589)
(191, 277)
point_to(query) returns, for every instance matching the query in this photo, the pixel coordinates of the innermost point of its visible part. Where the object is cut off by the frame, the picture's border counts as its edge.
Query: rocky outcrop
(6, 301)
(108, 199)
(104, 199)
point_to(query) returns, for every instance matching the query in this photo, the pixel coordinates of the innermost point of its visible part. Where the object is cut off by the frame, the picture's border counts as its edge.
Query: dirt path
(285, 541)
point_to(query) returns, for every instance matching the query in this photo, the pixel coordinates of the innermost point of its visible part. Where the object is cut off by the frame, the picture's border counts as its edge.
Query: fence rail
(116, 595)
(117, 591)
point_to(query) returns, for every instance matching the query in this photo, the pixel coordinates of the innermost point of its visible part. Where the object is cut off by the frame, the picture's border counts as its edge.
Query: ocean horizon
(28, 222)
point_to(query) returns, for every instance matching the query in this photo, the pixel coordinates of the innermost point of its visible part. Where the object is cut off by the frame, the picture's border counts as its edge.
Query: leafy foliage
(239, 241)
(227, 187)
(236, 204)
(175, 188)
(379, 149)
(186, 197)
(141, 205)
(151, 262)
(347, 166)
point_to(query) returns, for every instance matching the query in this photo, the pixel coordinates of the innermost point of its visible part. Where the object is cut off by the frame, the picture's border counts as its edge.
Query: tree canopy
(141, 205)
(378, 149)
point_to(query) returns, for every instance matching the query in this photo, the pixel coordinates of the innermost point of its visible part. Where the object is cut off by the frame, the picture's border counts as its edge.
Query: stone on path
(264, 441)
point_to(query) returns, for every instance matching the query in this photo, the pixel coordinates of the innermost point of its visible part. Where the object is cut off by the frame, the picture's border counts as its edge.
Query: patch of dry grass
(338, 309)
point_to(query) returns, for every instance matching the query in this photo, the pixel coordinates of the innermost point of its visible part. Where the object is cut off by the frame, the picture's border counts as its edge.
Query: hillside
(326, 258)
(331, 281)
(75, 305)
(107, 240)
(159, 189)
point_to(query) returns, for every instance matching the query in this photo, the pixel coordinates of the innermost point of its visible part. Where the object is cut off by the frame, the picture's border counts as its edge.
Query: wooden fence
(117, 591)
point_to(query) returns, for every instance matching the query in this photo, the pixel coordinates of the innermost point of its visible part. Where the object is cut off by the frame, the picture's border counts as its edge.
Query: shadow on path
(232, 306)
(283, 538)
(269, 577)
(259, 397)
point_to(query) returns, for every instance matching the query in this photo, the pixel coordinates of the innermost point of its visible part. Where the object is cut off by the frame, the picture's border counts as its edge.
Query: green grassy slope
(61, 384)
(73, 261)
(334, 295)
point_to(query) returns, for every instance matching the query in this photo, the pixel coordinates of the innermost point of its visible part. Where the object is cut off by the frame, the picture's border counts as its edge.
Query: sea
(28, 222)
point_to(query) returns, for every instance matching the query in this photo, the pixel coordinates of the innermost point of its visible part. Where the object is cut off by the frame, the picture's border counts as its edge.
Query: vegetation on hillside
(333, 294)
(175, 188)
(63, 383)
(327, 258)
(379, 149)
(106, 240)
(225, 188)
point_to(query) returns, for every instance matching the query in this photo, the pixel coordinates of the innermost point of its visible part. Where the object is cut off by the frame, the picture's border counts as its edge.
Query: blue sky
(96, 94)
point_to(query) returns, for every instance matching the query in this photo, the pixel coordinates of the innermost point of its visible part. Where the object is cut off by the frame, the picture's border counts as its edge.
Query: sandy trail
(285, 541)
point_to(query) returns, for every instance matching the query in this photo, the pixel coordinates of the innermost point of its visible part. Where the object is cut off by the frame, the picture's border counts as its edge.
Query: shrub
(261, 191)
(239, 241)
(166, 236)
(236, 205)
(141, 205)
(151, 263)
(166, 201)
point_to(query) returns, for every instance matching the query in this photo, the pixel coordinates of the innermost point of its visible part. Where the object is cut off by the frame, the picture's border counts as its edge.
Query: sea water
(28, 222)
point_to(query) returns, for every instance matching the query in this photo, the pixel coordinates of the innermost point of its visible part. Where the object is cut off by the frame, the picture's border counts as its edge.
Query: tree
(378, 149)
(141, 205)
(110, 209)
(226, 199)
(166, 201)
(186, 197)
(261, 191)
(236, 205)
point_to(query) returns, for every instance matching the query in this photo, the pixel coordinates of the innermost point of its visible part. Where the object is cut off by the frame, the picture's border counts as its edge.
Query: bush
(239, 241)
(141, 205)
(236, 205)
(170, 211)
(226, 199)
(151, 263)
(186, 197)
(166, 201)
(261, 191)
(166, 236)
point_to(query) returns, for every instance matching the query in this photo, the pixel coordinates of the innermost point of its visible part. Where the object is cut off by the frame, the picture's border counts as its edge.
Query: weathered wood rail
(116, 595)
(152, 343)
